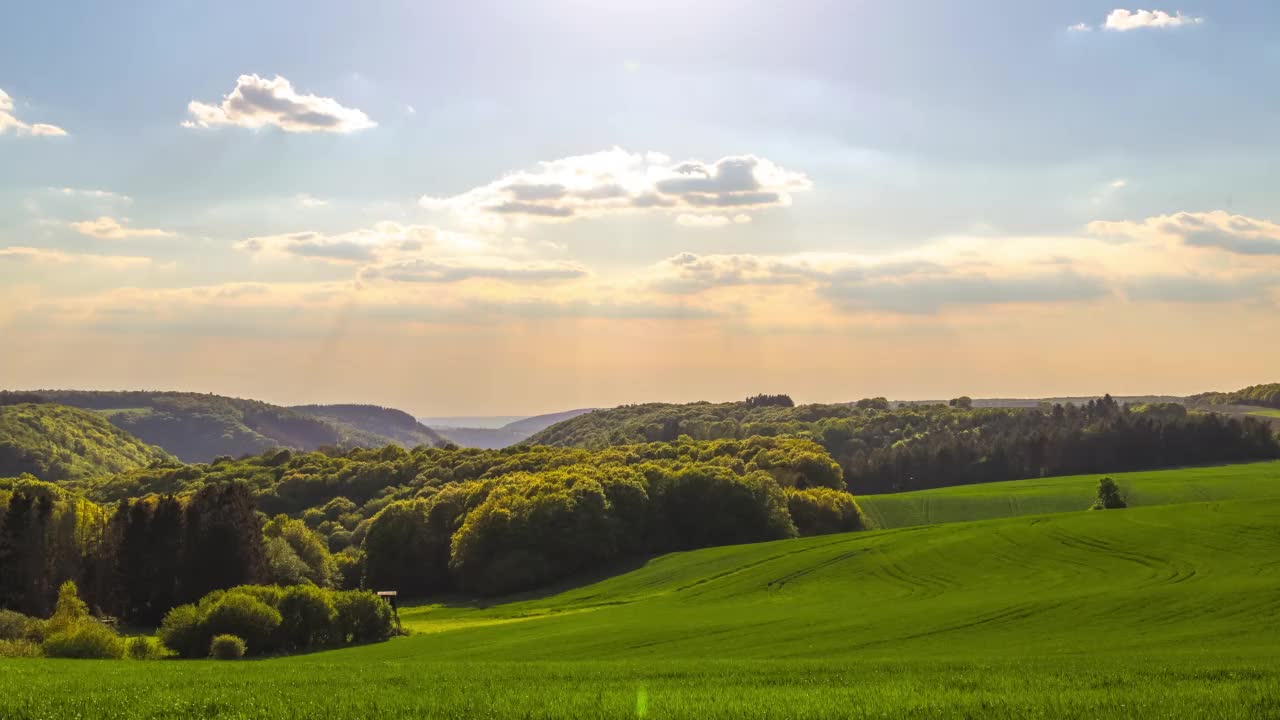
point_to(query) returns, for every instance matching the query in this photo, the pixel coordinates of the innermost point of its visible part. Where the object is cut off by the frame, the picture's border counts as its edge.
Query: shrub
(16, 626)
(819, 511)
(180, 631)
(226, 647)
(1109, 497)
(88, 640)
(141, 647)
(244, 616)
(19, 649)
(363, 616)
(308, 618)
(69, 612)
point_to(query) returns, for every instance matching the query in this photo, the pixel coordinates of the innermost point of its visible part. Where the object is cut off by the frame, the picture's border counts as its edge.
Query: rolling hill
(1151, 612)
(198, 427)
(512, 433)
(398, 426)
(56, 442)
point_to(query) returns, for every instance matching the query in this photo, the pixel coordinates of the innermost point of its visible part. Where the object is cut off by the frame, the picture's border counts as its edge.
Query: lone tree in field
(1109, 497)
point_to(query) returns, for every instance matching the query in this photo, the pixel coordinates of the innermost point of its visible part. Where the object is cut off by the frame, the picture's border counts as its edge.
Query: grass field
(1266, 412)
(1163, 611)
(1069, 494)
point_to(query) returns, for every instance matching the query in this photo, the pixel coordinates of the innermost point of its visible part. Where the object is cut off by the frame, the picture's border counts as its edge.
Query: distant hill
(56, 442)
(1267, 396)
(200, 427)
(397, 425)
(483, 422)
(513, 433)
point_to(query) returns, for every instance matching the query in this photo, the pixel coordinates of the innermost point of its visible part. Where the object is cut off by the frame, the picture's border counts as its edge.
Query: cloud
(423, 270)
(1121, 20)
(92, 194)
(1200, 288)
(391, 252)
(309, 201)
(1081, 27)
(895, 284)
(617, 182)
(257, 102)
(108, 228)
(43, 256)
(1236, 234)
(710, 221)
(9, 121)
(928, 293)
(384, 240)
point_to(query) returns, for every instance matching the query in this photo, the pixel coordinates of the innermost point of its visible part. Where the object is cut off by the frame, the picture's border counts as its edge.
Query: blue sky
(908, 174)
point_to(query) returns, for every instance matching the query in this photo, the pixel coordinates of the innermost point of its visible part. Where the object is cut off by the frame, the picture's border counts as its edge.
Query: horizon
(486, 209)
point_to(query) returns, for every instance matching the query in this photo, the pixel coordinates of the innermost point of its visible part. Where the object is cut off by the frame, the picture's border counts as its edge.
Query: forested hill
(1256, 395)
(200, 427)
(55, 442)
(885, 449)
(397, 425)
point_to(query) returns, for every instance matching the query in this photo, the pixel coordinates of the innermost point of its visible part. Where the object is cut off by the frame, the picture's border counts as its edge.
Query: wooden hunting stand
(389, 597)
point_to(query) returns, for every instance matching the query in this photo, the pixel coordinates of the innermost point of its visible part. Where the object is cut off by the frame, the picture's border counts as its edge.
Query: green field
(1162, 611)
(1069, 494)
(1266, 412)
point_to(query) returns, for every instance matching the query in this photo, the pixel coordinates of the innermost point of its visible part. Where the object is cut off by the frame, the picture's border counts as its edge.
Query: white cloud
(710, 221)
(43, 256)
(1119, 184)
(1081, 27)
(92, 194)
(108, 228)
(1220, 230)
(392, 252)
(257, 102)
(9, 121)
(1121, 20)
(616, 181)
(309, 201)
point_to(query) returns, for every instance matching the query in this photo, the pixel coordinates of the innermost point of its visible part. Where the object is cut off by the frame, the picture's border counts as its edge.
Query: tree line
(432, 520)
(883, 449)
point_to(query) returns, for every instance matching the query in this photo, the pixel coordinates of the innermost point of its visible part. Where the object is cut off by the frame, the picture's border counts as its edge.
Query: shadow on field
(580, 580)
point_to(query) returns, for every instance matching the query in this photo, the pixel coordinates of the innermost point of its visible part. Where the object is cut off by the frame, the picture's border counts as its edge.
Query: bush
(244, 616)
(142, 647)
(88, 640)
(19, 649)
(1109, 497)
(70, 611)
(226, 647)
(363, 617)
(16, 626)
(308, 618)
(180, 631)
(819, 511)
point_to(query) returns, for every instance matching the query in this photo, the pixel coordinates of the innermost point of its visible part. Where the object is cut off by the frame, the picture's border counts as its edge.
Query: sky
(523, 207)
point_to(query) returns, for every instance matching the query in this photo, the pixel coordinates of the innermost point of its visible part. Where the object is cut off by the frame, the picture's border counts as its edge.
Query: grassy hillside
(396, 425)
(1069, 494)
(55, 442)
(1153, 612)
(201, 427)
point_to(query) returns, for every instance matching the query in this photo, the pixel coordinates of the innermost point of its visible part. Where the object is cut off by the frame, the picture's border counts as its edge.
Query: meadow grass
(1069, 494)
(1163, 611)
